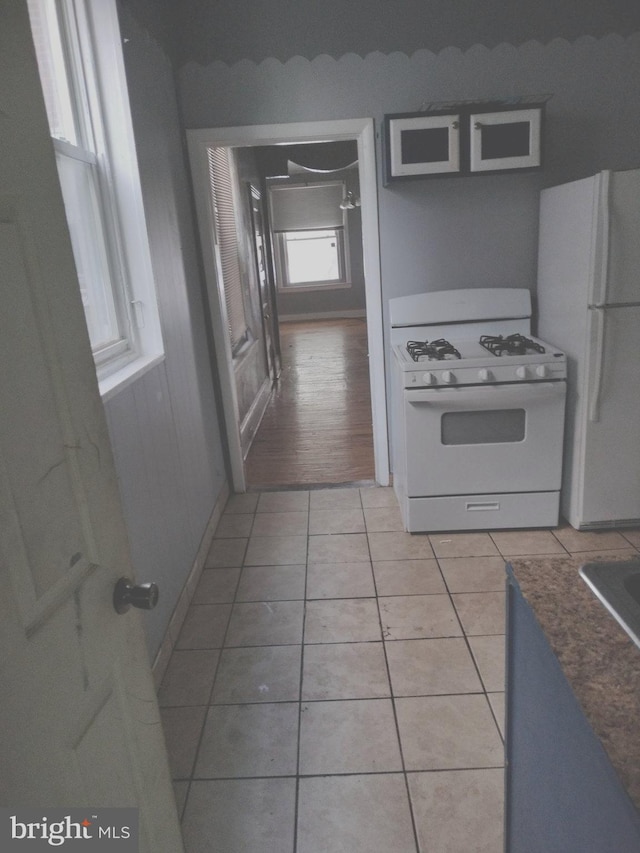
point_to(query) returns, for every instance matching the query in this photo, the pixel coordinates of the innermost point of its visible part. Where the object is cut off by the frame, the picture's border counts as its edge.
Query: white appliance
(478, 412)
(589, 304)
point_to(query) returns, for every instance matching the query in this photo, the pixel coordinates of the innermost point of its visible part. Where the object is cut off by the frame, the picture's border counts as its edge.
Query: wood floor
(317, 428)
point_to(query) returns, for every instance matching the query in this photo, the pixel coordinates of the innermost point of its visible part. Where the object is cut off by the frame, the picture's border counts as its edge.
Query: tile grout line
(414, 827)
(296, 813)
(471, 654)
(213, 683)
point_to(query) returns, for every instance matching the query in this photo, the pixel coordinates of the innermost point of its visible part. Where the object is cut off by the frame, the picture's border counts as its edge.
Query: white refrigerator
(588, 304)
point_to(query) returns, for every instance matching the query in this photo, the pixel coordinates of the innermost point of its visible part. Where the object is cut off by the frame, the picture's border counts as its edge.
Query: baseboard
(349, 314)
(172, 633)
(253, 418)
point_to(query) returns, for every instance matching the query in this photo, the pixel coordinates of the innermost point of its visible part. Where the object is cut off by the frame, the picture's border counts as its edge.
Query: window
(82, 73)
(309, 257)
(308, 225)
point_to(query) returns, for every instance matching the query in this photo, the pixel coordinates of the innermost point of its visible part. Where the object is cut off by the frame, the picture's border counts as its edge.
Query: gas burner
(436, 350)
(511, 345)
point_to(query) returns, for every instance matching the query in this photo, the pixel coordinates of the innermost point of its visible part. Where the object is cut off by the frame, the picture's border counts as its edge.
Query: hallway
(317, 427)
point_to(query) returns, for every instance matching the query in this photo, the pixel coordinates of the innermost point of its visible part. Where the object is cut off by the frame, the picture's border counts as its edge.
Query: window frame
(97, 84)
(283, 282)
(279, 239)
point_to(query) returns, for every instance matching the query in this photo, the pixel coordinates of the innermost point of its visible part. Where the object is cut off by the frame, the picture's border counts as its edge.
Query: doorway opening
(354, 336)
(316, 428)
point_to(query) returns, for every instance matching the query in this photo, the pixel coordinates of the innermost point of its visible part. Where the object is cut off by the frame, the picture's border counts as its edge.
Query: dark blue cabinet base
(562, 794)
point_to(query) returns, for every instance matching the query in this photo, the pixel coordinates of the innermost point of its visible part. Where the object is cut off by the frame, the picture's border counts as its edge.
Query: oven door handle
(466, 396)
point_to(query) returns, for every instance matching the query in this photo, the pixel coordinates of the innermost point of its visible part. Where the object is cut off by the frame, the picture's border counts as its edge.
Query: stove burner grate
(511, 345)
(437, 350)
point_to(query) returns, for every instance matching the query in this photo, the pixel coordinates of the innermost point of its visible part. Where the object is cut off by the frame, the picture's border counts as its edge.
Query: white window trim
(284, 286)
(120, 143)
(145, 346)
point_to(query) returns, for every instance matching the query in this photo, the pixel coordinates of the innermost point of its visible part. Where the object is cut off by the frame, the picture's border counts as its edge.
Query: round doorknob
(127, 594)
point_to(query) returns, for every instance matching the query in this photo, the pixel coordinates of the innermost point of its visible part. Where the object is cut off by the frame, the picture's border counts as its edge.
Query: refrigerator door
(567, 245)
(603, 473)
(617, 257)
(589, 254)
(569, 216)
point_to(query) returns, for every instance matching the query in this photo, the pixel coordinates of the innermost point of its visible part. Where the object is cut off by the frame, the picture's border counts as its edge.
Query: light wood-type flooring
(317, 427)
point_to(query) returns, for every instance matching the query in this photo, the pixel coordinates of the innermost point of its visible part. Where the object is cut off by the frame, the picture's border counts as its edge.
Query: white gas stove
(478, 412)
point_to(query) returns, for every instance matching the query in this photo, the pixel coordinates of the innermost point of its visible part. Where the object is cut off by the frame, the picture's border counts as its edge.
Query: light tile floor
(338, 685)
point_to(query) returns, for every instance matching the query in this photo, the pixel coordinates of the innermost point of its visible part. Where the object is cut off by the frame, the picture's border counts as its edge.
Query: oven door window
(497, 426)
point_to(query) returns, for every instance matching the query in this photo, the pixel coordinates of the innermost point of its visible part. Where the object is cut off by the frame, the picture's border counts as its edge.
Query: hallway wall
(164, 427)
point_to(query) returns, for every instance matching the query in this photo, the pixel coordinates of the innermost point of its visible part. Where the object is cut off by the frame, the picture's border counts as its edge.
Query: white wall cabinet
(463, 139)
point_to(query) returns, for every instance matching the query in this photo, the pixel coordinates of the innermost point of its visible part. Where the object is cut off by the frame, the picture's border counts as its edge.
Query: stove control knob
(448, 377)
(428, 378)
(521, 372)
(485, 375)
(541, 371)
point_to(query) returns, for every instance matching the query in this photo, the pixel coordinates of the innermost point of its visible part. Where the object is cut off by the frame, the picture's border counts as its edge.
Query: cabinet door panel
(562, 793)
(507, 139)
(422, 145)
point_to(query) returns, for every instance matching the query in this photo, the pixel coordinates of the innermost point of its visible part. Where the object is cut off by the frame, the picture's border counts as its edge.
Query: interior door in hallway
(317, 428)
(80, 722)
(264, 274)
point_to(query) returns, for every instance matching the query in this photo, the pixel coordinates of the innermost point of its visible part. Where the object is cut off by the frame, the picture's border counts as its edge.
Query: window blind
(227, 242)
(300, 207)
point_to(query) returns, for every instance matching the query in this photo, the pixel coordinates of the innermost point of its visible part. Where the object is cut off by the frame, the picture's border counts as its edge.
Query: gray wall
(441, 233)
(233, 30)
(164, 427)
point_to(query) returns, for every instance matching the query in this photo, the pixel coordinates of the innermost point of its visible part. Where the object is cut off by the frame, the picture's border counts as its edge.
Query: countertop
(599, 660)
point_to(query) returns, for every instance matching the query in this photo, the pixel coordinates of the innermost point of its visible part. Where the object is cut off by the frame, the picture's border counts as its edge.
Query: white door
(268, 305)
(79, 720)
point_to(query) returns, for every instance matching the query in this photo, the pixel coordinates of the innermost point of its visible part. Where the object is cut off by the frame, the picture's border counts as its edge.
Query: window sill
(112, 385)
(305, 288)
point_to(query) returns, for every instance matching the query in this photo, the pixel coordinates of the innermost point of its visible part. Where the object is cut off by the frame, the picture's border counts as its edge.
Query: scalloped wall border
(418, 55)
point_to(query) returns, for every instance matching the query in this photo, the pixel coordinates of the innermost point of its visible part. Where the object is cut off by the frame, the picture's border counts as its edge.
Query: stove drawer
(481, 512)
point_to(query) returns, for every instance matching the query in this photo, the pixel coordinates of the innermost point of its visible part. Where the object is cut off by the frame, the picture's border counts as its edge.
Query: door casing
(362, 131)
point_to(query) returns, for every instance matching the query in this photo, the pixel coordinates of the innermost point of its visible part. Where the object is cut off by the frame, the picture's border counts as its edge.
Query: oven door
(484, 439)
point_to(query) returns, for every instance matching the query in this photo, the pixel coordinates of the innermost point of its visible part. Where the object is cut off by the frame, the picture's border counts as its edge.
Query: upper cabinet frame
(463, 139)
(424, 144)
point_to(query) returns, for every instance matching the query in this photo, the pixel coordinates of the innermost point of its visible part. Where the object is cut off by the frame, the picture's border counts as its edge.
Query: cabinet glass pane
(428, 145)
(506, 140)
